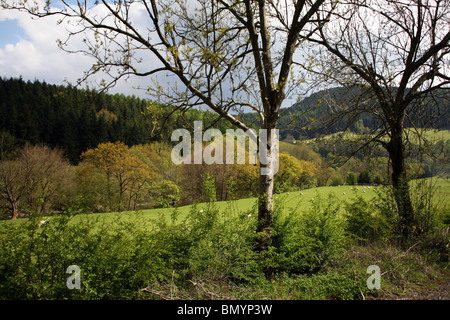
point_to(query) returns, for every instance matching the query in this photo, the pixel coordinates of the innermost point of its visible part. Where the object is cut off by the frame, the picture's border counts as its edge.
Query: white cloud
(21, 57)
(37, 56)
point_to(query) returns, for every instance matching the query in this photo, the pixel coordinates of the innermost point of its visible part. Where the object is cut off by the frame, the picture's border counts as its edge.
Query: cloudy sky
(28, 49)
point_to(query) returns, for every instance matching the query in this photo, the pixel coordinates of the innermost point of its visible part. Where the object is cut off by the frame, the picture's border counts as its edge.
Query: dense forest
(75, 119)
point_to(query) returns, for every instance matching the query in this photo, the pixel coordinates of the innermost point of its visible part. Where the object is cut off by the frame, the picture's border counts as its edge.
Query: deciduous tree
(117, 162)
(13, 185)
(36, 182)
(393, 56)
(223, 54)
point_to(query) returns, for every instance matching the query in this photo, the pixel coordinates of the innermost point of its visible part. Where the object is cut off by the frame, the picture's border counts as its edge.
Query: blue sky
(28, 49)
(11, 32)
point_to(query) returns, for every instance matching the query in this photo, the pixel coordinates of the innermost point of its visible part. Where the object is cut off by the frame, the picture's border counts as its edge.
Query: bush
(336, 180)
(378, 219)
(205, 250)
(306, 241)
(328, 285)
(429, 208)
(365, 177)
(365, 221)
(351, 179)
(115, 258)
(224, 251)
(167, 194)
(118, 257)
(31, 264)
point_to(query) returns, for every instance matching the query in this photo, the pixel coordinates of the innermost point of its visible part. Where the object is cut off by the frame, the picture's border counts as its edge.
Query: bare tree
(223, 54)
(36, 182)
(393, 56)
(13, 186)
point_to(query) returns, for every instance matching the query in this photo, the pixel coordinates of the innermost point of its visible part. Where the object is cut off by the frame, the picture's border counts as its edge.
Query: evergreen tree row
(75, 119)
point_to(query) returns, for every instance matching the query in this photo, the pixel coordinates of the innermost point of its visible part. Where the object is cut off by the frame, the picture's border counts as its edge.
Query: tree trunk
(265, 210)
(266, 184)
(15, 211)
(399, 180)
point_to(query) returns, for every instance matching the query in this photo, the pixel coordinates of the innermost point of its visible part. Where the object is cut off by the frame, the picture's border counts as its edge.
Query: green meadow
(428, 134)
(297, 201)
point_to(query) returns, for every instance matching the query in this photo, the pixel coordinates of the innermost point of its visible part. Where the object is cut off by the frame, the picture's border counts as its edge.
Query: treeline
(112, 176)
(65, 149)
(39, 180)
(75, 119)
(310, 117)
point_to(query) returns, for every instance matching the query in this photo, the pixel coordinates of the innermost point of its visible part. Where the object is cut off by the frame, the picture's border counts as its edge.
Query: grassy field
(429, 134)
(437, 134)
(298, 201)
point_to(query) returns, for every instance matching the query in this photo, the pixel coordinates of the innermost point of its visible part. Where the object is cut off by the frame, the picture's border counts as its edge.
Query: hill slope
(75, 119)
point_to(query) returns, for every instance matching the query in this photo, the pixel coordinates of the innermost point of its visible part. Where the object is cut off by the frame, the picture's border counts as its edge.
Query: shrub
(115, 258)
(365, 177)
(351, 179)
(225, 249)
(365, 221)
(429, 208)
(33, 259)
(305, 241)
(328, 285)
(167, 194)
(378, 219)
(336, 180)
(207, 246)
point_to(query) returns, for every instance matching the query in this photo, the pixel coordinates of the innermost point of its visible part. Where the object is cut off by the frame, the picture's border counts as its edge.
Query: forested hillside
(76, 120)
(309, 117)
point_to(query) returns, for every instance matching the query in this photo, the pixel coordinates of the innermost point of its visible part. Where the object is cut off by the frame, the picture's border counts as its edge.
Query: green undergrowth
(318, 251)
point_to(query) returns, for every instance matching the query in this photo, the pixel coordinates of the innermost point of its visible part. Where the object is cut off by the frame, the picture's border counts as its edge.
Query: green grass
(436, 134)
(298, 200)
(113, 255)
(429, 134)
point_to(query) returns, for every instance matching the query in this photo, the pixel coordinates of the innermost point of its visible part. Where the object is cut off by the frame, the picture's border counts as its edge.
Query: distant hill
(304, 118)
(70, 118)
(76, 119)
